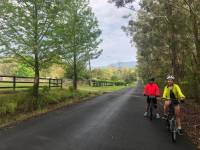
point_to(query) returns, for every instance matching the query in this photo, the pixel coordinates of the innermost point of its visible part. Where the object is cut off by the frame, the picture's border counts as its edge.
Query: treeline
(40, 33)
(167, 37)
(111, 74)
(108, 74)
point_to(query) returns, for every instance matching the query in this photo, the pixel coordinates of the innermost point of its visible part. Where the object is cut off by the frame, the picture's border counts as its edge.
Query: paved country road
(113, 121)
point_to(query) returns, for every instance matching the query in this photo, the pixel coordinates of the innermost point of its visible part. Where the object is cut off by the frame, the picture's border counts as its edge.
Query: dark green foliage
(166, 34)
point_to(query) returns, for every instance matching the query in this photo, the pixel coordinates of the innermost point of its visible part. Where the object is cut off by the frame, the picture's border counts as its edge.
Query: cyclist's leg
(147, 106)
(178, 118)
(156, 107)
(148, 103)
(166, 106)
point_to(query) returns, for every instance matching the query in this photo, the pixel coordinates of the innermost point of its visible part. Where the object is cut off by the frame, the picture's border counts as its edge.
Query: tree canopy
(40, 33)
(167, 37)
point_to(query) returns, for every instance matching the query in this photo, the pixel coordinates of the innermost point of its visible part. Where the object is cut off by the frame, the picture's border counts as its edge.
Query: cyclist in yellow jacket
(173, 91)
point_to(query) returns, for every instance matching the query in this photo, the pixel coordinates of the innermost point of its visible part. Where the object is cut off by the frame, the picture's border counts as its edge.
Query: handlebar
(179, 100)
(151, 96)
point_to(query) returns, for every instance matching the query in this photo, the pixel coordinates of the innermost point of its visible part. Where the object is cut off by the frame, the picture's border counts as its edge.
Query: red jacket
(151, 90)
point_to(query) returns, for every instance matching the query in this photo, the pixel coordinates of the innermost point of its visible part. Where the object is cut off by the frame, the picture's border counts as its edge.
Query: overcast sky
(116, 45)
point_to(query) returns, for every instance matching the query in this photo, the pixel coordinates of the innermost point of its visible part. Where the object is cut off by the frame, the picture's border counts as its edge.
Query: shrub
(25, 102)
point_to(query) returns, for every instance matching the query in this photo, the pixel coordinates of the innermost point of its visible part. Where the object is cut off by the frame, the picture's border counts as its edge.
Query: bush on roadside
(24, 101)
(8, 106)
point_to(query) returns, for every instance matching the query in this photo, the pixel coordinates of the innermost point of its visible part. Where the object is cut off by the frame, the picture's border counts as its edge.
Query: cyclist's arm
(180, 94)
(164, 97)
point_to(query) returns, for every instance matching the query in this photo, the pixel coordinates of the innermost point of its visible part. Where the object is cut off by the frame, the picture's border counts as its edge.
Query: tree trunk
(36, 81)
(90, 68)
(197, 56)
(75, 78)
(35, 49)
(173, 43)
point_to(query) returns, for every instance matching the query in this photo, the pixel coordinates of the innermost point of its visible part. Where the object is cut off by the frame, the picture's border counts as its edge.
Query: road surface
(113, 121)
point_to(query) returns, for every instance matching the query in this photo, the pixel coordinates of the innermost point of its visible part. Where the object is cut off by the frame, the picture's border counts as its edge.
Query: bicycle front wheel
(173, 131)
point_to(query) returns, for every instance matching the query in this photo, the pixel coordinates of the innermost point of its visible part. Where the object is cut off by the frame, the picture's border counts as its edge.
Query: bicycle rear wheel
(151, 113)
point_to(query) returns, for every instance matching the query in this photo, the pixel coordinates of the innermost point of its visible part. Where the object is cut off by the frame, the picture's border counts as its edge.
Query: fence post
(14, 83)
(61, 83)
(57, 82)
(49, 82)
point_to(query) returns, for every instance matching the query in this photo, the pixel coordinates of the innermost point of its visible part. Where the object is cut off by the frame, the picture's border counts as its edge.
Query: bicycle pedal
(179, 133)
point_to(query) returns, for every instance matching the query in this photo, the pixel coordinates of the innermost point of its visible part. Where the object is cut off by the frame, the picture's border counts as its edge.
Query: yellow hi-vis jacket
(176, 90)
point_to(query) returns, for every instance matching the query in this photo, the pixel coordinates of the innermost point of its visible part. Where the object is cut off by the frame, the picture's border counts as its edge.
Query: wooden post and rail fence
(15, 82)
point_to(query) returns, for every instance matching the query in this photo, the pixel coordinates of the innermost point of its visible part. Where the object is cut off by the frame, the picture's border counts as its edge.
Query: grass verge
(22, 106)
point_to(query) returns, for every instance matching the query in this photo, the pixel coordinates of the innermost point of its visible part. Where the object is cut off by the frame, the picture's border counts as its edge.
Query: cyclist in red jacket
(151, 89)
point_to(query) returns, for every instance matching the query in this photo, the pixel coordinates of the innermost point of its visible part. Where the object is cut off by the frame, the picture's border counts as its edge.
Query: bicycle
(171, 119)
(151, 107)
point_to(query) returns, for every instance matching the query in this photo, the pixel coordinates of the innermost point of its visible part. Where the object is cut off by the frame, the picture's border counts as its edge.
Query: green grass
(24, 101)
(19, 106)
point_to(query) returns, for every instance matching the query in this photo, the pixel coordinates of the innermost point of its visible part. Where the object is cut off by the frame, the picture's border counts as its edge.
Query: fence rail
(14, 82)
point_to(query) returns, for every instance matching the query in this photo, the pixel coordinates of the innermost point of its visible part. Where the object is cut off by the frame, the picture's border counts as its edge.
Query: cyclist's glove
(182, 101)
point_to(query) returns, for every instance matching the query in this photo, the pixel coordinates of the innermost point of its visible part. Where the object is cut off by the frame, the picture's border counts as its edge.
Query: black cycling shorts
(153, 99)
(175, 102)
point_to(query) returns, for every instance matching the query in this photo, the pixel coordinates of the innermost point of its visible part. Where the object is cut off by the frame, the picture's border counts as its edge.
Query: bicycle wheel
(168, 125)
(151, 113)
(173, 131)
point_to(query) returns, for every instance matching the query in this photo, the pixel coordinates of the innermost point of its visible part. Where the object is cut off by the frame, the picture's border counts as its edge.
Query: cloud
(116, 44)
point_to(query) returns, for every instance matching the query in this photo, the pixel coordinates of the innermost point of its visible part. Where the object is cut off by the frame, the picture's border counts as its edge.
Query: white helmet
(170, 77)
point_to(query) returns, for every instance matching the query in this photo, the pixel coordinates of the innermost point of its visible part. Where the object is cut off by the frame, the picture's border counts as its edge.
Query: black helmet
(152, 79)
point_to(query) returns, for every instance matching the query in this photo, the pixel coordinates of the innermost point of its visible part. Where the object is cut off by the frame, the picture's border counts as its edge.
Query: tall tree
(27, 33)
(79, 35)
(166, 33)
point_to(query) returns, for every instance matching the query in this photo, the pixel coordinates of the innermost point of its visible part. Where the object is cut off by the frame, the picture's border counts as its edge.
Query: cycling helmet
(170, 77)
(152, 79)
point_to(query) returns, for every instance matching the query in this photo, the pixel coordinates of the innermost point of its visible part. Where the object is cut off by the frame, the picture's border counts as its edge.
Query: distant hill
(130, 64)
